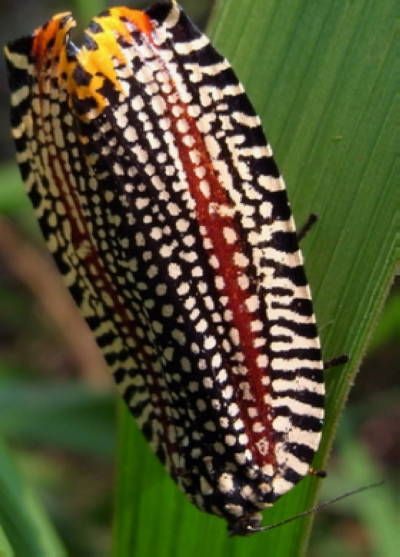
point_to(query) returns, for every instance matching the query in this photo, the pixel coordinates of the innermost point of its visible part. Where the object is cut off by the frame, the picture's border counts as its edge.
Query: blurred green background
(57, 403)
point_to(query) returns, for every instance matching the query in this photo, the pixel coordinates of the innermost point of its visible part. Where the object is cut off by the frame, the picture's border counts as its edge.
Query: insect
(159, 198)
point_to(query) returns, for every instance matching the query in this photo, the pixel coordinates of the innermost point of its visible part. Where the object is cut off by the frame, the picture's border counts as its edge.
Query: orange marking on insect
(100, 63)
(138, 18)
(44, 35)
(42, 51)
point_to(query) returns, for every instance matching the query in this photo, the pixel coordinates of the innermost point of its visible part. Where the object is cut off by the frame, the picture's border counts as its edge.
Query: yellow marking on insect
(100, 63)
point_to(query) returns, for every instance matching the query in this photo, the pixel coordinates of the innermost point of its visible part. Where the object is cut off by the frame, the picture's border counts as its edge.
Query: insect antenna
(322, 506)
(312, 219)
(338, 361)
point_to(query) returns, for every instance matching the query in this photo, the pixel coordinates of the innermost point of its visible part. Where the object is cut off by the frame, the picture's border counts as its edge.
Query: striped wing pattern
(160, 201)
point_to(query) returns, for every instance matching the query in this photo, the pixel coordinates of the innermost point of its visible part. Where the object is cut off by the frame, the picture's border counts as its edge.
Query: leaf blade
(317, 92)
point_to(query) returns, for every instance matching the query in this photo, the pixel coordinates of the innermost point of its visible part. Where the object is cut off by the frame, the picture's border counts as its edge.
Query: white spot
(253, 303)
(177, 110)
(230, 440)
(214, 262)
(182, 126)
(205, 487)
(245, 388)
(154, 141)
(179, 336)
(169, 169)
(194, 314)
(189, 303)
(194, 110)
(210, 426)
(201, 326)
(229, 234)
(222, 375)
(167, 310)
(161, 289)
(234, 336)
(225, 483)
(187, 366)
(241, 458)
(181, 224)
(141, 154)
(188, 140)
(166, 251)
(216, 361)
(156, 233)
(238, 424)
(161, 157)
(157, 327)
(205, 188)
(234, 510)
(258, 427)
(282, 424)
(243, 282)
(137, 103)
(233, 409)
(209, 342)
(118, 170)
(240, 260)
(183, 289)
(141, 202)
(190, 257)
(246, 492)
(173, 209)
(243, 439)
(224, 422)
(197, 271)
(212, 146)
(195, 157)
(262, 361)
(169, 354)
(185, 96)
(139, 239)
(200, 172)
(219, 448)
(164, 123)
(268, 470)
(120, 115)
(227, 392)
(158, 104)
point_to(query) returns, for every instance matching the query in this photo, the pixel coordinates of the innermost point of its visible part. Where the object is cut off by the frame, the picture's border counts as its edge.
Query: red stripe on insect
(213, 221)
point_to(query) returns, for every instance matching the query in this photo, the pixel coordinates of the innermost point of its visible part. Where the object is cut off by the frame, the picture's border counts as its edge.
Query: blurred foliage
(22, 518)
(389, 326)
(57, 442)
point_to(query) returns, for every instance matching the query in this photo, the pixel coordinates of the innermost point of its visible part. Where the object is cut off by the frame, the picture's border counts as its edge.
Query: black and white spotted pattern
(160, 201)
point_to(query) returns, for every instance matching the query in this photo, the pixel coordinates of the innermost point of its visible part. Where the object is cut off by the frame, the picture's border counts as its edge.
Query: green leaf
(389, 324)
(85, 11)
(23, 522)
(376, 508)
(321, 76)
(5, 547)
(13, 198)
(65, 415)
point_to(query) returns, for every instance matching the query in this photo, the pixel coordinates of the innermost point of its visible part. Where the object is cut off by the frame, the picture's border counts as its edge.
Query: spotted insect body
(160, 201)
